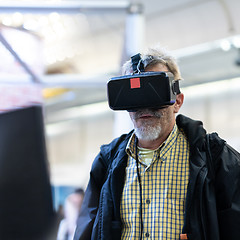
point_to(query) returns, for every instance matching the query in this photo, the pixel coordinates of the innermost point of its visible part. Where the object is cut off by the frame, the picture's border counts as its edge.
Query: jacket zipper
(100, 216)
(203, 175)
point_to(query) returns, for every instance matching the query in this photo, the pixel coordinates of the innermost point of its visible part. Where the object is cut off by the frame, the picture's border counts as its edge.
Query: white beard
(148, 133)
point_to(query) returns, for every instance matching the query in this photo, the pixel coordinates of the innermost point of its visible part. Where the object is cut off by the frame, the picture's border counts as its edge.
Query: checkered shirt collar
(165, 146)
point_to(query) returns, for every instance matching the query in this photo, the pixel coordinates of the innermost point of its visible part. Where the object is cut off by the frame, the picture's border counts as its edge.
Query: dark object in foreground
(26, 209)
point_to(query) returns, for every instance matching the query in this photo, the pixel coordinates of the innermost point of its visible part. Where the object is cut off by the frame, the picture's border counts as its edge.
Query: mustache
(151, 112)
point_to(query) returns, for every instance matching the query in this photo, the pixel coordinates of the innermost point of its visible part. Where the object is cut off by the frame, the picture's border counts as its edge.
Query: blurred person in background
(72, 208)
(166, 179)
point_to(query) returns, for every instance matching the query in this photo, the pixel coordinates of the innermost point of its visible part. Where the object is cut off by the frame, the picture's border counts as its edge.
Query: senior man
(166, 179)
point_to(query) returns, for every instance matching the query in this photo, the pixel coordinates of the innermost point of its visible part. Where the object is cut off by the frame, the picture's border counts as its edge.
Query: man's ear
(179, 101)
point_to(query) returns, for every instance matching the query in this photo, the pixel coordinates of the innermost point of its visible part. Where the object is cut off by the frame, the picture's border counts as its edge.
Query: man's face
(150, 124)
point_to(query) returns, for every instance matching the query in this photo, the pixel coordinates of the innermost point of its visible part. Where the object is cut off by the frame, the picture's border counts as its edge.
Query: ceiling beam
(69, 7)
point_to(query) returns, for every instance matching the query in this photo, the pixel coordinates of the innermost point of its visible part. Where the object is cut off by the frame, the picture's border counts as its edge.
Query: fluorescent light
(225, 45)
(236, 42)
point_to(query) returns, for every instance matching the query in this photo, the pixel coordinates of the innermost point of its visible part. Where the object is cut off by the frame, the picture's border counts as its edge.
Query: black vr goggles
(142, 89)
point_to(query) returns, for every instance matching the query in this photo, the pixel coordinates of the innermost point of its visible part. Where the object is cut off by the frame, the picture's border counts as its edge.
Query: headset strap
(137, 64)
(176, 88)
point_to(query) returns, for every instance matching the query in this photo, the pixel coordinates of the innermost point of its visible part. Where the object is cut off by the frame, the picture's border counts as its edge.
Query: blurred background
(61, 54)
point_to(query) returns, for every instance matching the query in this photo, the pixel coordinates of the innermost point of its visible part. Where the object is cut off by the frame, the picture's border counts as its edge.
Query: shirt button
(147, 234)
(147, 201)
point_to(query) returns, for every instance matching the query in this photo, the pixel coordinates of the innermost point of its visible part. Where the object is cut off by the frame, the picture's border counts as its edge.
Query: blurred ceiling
(85, 41)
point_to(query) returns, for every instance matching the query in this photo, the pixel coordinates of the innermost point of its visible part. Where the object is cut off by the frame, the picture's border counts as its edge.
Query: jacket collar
(116, 149)
(194, 131)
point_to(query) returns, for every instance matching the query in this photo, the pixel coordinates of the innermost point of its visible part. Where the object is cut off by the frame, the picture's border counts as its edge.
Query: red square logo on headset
(135, 82)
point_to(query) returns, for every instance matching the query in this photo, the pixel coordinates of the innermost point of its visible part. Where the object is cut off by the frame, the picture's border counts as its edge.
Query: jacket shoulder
(216, 144)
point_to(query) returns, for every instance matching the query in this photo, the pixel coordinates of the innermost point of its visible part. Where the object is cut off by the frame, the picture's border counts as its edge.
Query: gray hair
(155, 56)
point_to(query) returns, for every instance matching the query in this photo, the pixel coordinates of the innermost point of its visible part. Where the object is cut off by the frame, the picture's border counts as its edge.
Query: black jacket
(213, 195)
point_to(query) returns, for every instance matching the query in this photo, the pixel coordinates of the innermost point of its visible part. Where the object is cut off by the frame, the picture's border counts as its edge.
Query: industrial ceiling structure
(85, 42)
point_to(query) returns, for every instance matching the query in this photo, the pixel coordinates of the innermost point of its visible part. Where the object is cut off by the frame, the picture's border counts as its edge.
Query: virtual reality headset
(142, 90)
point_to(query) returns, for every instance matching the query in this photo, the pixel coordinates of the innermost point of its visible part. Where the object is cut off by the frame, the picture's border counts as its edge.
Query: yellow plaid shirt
(164, 186)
